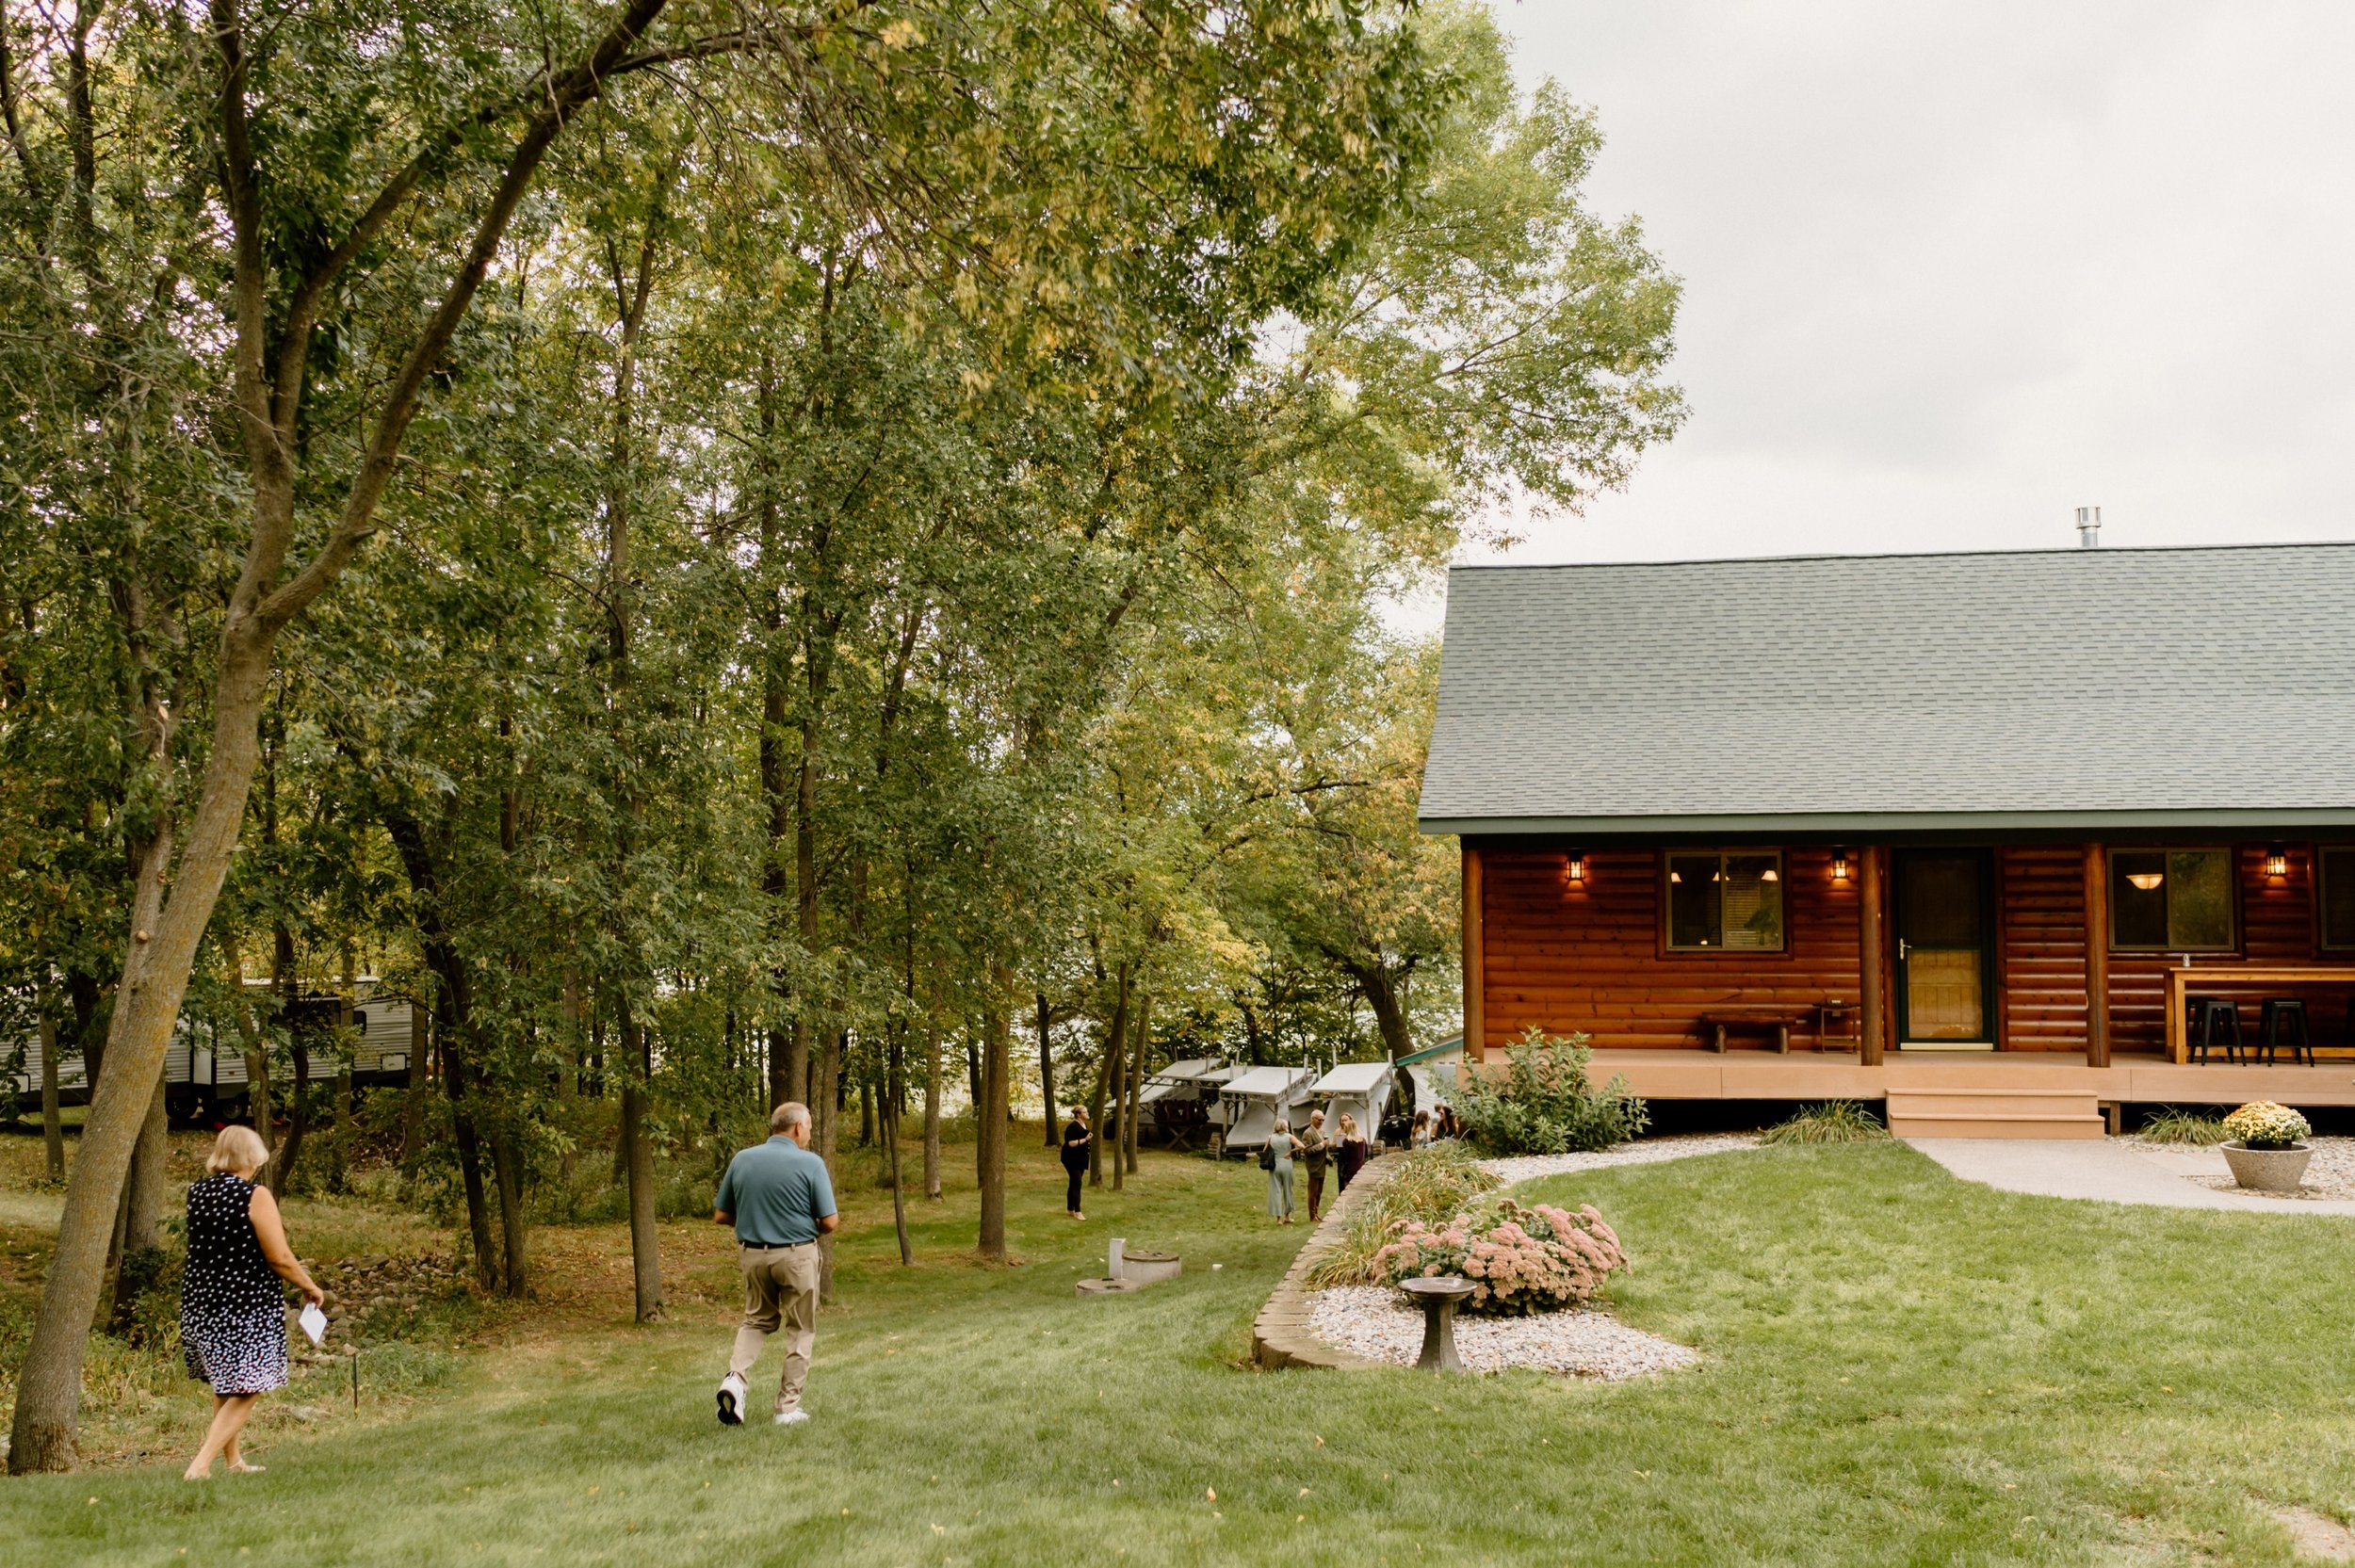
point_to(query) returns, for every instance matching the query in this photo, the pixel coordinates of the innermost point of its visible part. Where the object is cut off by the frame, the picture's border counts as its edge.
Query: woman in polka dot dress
(233, 1314)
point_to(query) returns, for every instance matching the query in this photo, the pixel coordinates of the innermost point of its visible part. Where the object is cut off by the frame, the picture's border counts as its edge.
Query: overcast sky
(1952, 270)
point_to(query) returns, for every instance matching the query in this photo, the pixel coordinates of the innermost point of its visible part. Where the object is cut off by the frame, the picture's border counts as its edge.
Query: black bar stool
(2282, 1021)
(2214, 1022)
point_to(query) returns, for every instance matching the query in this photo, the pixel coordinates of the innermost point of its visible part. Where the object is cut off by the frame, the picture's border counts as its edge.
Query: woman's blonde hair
(1349, 1122)
(238, 1149)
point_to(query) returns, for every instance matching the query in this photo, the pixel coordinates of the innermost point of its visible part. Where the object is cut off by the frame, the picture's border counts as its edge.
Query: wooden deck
(2130, 1079)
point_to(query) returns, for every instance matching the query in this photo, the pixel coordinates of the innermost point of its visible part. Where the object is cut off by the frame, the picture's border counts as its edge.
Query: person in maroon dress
(1349, 1151)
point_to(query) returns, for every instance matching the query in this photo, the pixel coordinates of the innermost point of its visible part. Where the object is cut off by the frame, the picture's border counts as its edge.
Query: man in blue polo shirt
(780, 1200)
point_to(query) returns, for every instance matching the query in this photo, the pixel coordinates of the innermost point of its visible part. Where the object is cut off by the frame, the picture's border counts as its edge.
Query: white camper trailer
(204, 1073)
(1184, 1097)
(1255, 1098)
(1360, 1089)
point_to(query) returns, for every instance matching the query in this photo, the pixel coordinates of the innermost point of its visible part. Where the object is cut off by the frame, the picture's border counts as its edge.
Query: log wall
(1591, 957)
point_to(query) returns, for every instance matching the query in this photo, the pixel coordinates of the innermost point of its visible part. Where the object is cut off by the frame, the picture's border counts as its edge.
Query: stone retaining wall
(1280, 1336)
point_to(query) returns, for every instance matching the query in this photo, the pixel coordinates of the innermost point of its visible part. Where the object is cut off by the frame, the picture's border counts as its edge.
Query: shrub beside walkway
(1280, 1336)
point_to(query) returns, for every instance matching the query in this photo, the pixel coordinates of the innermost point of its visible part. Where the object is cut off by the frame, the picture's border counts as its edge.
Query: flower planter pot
(2267, 1170)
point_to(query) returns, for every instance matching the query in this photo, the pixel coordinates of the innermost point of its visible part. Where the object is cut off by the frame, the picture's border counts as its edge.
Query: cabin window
(2171, 901)
(1725, 901)
(2338, 894)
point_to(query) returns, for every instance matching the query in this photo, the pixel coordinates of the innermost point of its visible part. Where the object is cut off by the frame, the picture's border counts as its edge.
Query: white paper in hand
(313, 1321)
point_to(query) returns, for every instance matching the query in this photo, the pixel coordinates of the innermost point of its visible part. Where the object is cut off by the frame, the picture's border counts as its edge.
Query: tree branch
(567, 93)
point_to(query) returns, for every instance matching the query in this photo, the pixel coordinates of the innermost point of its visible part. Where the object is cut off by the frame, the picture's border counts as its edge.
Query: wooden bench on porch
(1769, 1024)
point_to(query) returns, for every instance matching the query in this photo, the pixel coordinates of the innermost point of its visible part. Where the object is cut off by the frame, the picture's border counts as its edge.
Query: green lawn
(1900, 1368)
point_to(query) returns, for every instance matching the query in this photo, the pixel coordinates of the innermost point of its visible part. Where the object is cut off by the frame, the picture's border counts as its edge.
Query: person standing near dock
(778, 1197)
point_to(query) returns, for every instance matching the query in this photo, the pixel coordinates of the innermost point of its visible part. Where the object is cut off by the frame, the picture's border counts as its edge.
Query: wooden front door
(1944, 954)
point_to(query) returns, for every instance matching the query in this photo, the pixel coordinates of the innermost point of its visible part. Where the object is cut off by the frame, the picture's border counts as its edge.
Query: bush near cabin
(1544, 1102)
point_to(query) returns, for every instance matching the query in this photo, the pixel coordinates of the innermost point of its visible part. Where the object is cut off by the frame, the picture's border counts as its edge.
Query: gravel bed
(1371, 1320)
(1523, 1168)
(2329, 1174)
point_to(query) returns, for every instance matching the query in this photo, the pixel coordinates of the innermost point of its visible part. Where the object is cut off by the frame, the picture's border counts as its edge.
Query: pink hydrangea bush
(1520, 1259)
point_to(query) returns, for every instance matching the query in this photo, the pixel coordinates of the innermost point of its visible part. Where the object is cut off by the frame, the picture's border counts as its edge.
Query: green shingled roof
(2050, 688)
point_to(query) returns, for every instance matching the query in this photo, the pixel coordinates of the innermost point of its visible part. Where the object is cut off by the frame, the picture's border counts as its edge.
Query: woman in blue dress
(1280, 1145)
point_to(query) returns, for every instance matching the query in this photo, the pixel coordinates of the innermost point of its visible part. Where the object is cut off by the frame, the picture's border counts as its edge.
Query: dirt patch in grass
(2318, 1537)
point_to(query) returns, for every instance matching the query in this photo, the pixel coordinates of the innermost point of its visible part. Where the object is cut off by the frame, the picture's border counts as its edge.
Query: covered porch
(1995, 1094)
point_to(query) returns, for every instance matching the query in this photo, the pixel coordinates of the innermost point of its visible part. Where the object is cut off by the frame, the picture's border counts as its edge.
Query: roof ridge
(2074, 552)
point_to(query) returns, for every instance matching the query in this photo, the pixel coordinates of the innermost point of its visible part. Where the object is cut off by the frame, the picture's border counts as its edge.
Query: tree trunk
(825, 1094)
(645, 1248)
(52, 1124)
(1047, 1067)
(1380, 990)
(568, 1075)
(1136, 1079)
(139, 1253)
(892, 1071)
(507, 1173)
(413, 1093)
(469, 1158)
(990, 1117)
(973, 1082)
(1115, 1035)
(866, 1114)
(279, 1174)
(931, 1109)
(280, 1170)
(257, 1106)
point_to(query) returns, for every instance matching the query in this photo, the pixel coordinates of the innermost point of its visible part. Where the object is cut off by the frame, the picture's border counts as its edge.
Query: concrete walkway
(2115, 1169)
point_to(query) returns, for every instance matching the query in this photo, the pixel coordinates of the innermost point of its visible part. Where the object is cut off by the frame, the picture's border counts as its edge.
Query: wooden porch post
(1475, 969)
(2097, 959)
(1870, 1015)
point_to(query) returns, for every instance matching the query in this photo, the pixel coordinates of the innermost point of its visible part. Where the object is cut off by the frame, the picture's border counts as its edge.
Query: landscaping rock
(1375, 1322)
(1523, 1168)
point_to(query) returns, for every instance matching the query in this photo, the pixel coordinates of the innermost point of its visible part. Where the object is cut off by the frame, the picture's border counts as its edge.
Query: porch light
(1839, 866)
(2277, 862)
(2146, 881)
(1575, 868)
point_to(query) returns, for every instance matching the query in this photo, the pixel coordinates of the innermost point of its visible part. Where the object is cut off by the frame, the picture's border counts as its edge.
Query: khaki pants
(780, 1286)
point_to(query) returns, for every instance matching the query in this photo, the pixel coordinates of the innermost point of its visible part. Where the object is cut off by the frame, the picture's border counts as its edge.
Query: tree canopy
(738, 551)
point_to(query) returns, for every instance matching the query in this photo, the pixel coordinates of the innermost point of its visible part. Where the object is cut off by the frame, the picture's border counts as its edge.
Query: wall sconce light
(2277, 862)
(1575, 868)
(1839, 866)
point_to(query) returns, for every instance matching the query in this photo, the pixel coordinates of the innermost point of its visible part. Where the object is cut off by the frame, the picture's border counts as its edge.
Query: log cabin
(2006, 840)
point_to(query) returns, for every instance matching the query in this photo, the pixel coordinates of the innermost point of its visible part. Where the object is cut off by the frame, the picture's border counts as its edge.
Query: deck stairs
(1993, 1111)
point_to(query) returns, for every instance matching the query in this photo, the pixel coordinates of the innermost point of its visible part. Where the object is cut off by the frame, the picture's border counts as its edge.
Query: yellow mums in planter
(2263, 1125)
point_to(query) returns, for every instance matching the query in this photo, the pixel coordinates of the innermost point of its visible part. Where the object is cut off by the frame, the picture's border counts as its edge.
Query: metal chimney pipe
(2088, 527)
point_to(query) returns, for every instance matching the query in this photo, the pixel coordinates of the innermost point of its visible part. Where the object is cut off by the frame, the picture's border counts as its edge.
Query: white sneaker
(793, 1417)
(731, 1400)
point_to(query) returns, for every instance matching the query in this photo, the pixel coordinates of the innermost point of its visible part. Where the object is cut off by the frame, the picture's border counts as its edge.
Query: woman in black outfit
(1075, 1138)
(233, 1313)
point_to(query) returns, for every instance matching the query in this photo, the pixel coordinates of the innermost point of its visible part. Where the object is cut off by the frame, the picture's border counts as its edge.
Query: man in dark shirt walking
(777, 1196)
